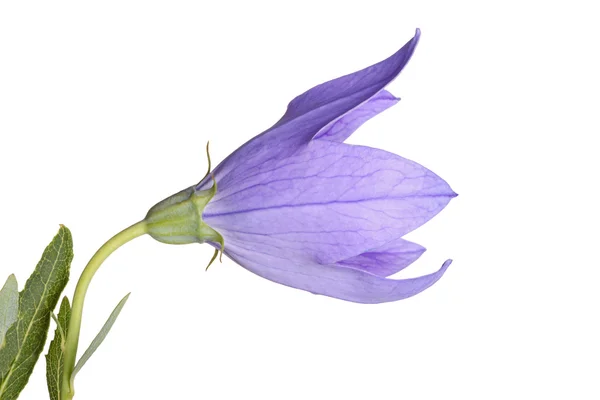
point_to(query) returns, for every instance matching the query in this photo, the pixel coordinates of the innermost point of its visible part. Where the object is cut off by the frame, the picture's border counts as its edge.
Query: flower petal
(386, 260)
(340, 95)
(342, 128)
(333, 281)
(329, 201)
(310, 113)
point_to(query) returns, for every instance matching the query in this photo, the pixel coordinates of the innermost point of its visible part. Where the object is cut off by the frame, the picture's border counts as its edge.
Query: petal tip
(416, 37)
(446, 264)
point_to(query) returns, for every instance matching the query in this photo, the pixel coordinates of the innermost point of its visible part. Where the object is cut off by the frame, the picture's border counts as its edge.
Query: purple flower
(297, 206)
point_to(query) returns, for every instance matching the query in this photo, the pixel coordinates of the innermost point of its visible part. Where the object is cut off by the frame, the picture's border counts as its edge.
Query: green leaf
(55, 356)
(25, 339)
(100, 336)
(9, 306)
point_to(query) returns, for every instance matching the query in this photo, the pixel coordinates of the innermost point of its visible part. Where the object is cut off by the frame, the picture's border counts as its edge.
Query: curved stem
(72, 341)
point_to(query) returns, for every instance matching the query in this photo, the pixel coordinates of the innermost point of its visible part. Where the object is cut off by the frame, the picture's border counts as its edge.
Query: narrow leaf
(100, 336)
(25, 339)
(55, 356)
(9, 306)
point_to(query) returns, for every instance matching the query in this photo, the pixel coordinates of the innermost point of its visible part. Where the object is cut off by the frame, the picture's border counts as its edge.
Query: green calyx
(178, 218)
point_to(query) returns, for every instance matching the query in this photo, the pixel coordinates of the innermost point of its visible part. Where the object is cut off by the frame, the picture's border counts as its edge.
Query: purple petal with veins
(309, 113)
(341, 129)
(330, 280)
(329, 201)
(385, 260)
(299, 207)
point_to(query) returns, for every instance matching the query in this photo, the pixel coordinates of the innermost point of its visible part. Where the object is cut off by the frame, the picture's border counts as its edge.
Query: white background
(105, 108)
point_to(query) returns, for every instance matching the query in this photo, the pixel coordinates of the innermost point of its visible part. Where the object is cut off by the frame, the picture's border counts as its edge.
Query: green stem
(70, 351)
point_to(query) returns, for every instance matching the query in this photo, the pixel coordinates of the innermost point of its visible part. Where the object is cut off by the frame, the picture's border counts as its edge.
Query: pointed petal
(329, 202)
(310, 113)
(333, 281)
(343, 94)
(386, 260)
(342, 128)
